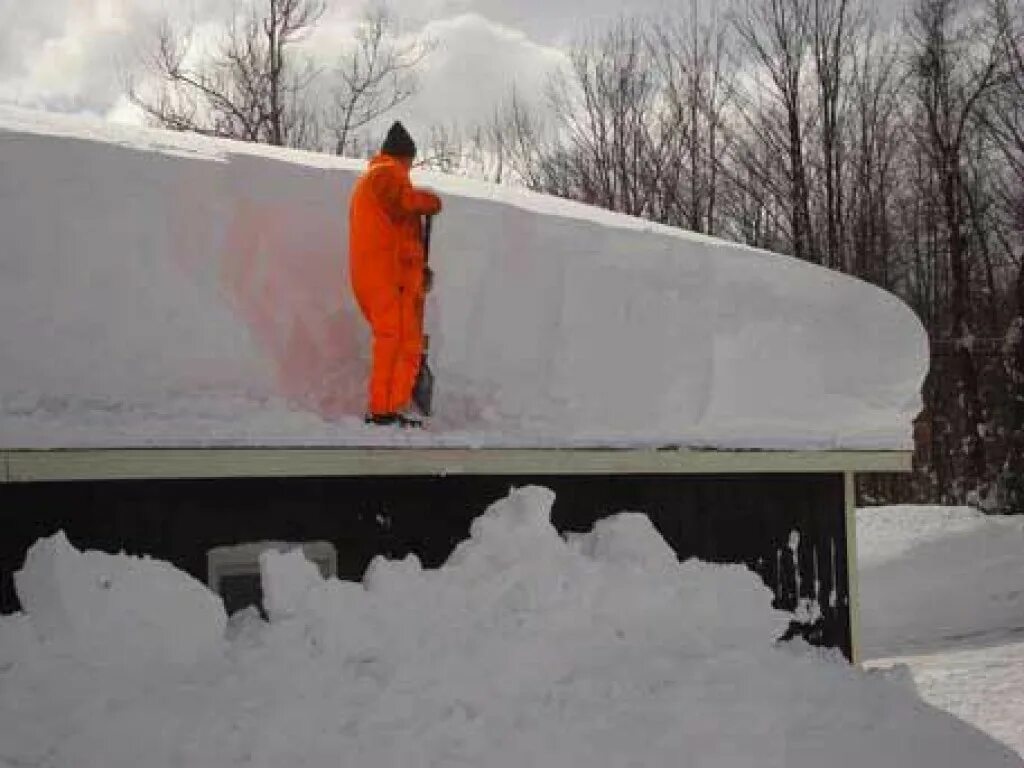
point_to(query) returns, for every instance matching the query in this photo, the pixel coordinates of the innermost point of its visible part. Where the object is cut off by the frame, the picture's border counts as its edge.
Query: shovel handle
(428, 226)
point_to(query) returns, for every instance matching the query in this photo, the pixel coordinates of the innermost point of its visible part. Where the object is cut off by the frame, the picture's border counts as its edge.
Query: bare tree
(834, 31)
(1005, 124)
(606, 111)
(377, 76)
(778, 35)
(954, 67)
(449, 150)
(871, 202)
(1004, 119)
(516, 136)
(1013, 362)
(251, 85)
(698, 84)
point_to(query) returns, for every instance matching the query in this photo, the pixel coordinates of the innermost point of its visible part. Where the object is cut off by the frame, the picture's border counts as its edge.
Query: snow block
(629, 539)
(286, 578)
(383, 575)
(512, 530)
(165, 288)
(117, 609)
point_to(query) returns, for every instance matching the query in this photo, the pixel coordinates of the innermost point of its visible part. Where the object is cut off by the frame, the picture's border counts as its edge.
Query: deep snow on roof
(167, 289)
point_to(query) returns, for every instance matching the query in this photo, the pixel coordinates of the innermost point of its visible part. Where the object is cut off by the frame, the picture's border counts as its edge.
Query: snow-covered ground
(942, 591)
(161, 288)
(524, 649)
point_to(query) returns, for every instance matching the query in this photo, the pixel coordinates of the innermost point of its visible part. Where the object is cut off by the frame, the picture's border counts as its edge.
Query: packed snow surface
(161, 288)
(982, 683)
(524, 649)
(942, 594)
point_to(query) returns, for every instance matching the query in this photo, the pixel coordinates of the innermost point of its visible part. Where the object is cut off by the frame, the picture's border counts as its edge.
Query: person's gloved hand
(433, 200)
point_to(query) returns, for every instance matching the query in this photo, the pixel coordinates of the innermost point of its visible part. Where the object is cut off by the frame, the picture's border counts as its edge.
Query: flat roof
(211, 463)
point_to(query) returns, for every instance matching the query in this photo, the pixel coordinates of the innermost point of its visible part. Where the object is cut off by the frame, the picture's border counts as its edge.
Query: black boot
(381, 419)
(405, 421)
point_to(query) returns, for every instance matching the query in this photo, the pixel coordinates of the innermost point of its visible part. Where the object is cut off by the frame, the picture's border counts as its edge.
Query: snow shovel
(423, 389)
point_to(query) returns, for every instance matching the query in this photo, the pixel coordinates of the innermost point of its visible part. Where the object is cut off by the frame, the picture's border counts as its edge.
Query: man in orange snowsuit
(389, 276)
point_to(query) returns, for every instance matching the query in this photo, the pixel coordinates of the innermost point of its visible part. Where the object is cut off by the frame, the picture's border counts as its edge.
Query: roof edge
(213, 463)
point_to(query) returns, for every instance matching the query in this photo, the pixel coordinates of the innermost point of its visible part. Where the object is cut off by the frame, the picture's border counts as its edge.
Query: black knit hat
(399, 143)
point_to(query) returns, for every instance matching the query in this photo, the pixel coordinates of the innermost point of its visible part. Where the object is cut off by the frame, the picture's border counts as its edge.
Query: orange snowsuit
(386, 266)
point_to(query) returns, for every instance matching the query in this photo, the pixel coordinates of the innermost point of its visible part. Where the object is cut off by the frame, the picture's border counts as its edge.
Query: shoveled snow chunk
(512, 530)
(117, 609)
(629, 538)
(286, 579)
(384, 575)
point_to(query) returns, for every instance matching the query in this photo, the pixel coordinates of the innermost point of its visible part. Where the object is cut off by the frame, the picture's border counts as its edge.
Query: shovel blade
(423, 389)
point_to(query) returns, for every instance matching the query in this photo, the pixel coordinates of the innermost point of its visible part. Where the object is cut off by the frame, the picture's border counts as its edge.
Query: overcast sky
(70, 55)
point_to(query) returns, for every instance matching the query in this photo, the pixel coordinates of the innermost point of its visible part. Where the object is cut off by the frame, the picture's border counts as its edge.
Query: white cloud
(557, 22)
(475, 66)
(71, 55)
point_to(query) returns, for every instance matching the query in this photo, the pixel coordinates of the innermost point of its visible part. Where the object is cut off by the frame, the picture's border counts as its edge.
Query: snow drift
(936, 577)
(164, 288)
(523, 649)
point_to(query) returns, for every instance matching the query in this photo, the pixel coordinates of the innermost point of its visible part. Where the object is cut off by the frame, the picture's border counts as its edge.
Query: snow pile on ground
(164, 288)
(523, 649)
(962, 578)
(942, 592)
(982, 684)
(889, 533)
(115, 609)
